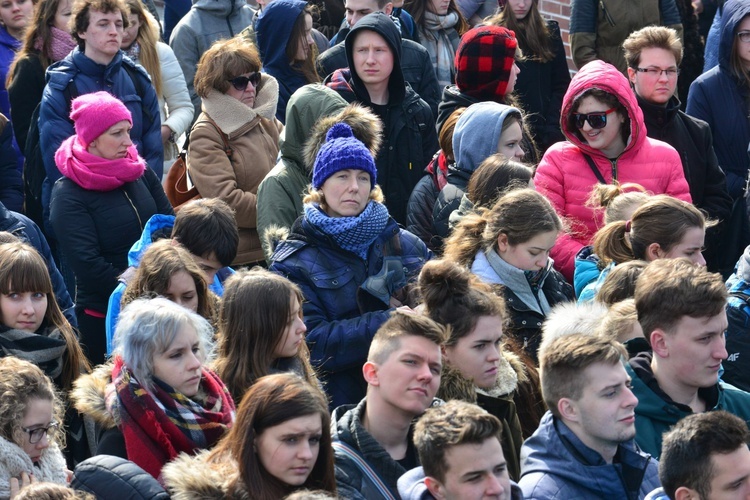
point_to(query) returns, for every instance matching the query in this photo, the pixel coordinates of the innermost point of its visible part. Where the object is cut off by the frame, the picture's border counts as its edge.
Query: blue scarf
(354, 234)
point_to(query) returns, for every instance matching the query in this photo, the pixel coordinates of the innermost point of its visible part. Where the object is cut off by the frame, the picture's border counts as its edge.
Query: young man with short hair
(372, 439)
(705, 457)
(462, 457)
(584, 446)
(681, 309)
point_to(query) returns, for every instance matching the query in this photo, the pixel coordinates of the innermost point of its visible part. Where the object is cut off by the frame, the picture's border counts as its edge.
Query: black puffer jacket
(115, 478)
(96, 229)
(422, 201)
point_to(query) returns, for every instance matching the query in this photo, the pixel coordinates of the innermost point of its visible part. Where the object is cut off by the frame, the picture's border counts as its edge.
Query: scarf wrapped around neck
(94, 172)
(355, 234)
(50, 467)
(160, 424)
(438, 43)
(45, 349)
(61, 44)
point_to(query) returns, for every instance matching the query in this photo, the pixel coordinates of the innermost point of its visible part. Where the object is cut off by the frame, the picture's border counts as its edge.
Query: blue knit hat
(342, 151)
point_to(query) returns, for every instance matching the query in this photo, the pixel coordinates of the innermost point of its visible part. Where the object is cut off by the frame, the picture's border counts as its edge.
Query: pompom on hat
(342, 151)
(94, 113)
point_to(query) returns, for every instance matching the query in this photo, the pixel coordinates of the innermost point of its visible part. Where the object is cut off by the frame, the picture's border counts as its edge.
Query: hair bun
(441, 280)
(339, 131)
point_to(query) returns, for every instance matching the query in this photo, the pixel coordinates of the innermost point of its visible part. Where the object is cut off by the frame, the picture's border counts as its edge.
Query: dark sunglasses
(240, 82)
(596, 120)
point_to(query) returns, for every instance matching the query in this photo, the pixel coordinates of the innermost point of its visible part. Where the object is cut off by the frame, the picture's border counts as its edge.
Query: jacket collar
(92, 68)
(656, 116)
(233, 117)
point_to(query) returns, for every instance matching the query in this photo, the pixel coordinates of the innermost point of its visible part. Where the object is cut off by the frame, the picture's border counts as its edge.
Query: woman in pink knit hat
(99, 206)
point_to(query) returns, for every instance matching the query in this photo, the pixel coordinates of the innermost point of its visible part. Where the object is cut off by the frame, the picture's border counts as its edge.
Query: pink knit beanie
(94, 113)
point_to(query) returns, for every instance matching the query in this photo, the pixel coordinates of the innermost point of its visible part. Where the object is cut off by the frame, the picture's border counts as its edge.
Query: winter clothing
(528, 304)
(738, 315)
(475, 138)
(11, 182)
(478, 8)
(423, 197)
(115, 478)
(13, 461)
(586, 269)
(566, 179)
(484, 60)
(411, 487)
(253, 136)
(206, 22)
(25, 93)
(598, 28)
(94, 113)
(8, 48)
(588, 293)
(440, 38)
(93, 172)
(656, 413)
(557, 465)
(341, 316)
(273, 30)
(342, 151)
(409, 140)
(280, 193)
(720, 99)
(190, 478)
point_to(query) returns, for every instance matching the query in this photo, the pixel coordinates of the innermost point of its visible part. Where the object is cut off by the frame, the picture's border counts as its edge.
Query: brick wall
(559, 10)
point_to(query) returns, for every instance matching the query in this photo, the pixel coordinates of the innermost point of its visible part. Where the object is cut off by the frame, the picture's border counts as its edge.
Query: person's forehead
(369, 37)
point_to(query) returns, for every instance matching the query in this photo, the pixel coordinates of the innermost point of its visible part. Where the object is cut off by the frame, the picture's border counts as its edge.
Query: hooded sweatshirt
(721, 100)
(566, 179)
(736, 368)
(475, 138)
(273, 31)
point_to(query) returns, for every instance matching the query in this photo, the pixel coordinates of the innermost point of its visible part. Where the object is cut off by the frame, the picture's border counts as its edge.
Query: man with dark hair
(681, 309)
(584, 446)
(462, 457)
(372, 439)
(705, 457)
(205, 227)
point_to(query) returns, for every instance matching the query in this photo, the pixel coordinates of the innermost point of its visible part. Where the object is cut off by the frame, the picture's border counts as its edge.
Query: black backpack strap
(592, 165)
(741, 295)
(140, 89)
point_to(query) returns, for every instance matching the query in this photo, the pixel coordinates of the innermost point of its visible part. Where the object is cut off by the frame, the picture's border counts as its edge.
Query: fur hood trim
(568, 317)
(365, 125)
(89, 396)
(275, 235)
(193, 478)
(453, 385)
(233, 118)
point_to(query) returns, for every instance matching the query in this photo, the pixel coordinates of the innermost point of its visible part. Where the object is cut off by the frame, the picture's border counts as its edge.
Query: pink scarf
(94, 172)
(61, 43)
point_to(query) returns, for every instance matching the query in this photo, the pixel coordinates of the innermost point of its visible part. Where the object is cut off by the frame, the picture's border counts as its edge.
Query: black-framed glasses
(240, 82)
(35, 435)
(596, 120)
(744, 36)
(657, 72)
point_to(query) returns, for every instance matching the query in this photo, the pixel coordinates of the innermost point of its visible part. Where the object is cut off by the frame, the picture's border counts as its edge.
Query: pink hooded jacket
(566, 179)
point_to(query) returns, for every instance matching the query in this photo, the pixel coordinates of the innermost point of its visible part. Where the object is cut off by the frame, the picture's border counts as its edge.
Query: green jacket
(654, 415)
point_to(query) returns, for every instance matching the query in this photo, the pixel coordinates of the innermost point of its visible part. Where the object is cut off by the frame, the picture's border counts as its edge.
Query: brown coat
(253, 135)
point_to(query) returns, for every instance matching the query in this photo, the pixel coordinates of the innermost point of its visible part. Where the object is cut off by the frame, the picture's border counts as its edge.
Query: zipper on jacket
(606, 13)
(138, 216)
(614, 169)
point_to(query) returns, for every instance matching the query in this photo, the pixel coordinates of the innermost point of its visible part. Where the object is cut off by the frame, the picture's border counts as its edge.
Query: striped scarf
(45, 349)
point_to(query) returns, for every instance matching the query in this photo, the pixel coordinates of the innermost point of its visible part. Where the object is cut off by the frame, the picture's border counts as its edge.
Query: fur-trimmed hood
(365, 125)
(275, 235)
(89, 396)
(233, 117)
(453, 385)
(193, 478)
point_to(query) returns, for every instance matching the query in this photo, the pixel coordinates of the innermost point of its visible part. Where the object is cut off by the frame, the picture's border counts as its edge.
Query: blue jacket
(719, 99)
(555, 464)
(24, 228)
(157, 227)
(586, 269)
(736, 367)
(272, 31)
(339, 332)
(11, 182)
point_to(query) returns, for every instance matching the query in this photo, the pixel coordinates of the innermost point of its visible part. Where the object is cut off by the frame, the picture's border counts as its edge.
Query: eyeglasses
(657, 72)
(240, 82)
(744, 36)
(596, 120)
(35, 435)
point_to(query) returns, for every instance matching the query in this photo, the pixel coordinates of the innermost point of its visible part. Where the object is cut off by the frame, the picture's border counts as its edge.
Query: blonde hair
(148, 36)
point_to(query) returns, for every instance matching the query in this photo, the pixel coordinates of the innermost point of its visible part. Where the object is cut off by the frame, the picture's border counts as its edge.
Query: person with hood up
(311, 111)
(286, 46)
(374, 78)
(606, 143)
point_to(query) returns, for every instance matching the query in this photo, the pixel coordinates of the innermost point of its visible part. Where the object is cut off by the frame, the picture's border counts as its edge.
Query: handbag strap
(592, 165)
(224, 138)
(363, 466)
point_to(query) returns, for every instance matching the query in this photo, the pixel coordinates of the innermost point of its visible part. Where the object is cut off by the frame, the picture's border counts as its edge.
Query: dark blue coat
(338, 332)
(11, 183)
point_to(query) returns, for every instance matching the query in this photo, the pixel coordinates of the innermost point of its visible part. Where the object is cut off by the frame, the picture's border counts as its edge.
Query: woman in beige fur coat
(235, 140)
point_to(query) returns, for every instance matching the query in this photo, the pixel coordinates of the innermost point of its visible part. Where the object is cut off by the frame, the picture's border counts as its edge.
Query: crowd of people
(377, 250)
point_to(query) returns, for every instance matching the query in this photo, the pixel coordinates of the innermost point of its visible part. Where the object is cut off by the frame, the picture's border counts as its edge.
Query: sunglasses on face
(596, 120)
(240, 82)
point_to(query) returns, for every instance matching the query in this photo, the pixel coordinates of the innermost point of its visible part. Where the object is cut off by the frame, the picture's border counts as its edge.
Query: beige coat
(253, 135)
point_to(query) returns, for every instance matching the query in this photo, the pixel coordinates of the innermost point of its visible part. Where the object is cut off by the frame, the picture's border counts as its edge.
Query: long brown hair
(148, 36)
(22, 269)
(38, 29)
(254, 314)
(532, 32)
(306, 67)
(417, 9)
(273, 400)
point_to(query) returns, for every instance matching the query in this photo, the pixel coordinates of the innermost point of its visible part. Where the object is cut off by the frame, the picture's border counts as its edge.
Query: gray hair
(147, 327)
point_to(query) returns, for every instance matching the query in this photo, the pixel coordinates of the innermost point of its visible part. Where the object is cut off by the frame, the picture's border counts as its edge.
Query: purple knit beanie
(342, 151)
(94, 113)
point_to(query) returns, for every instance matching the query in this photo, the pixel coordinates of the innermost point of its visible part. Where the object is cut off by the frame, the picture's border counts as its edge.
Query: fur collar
(453, 385)
(89, 396)
(193, 478)
(233, 117)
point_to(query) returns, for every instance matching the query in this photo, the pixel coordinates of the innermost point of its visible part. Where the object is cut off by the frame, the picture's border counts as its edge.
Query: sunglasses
(596, 120)
(240, 82)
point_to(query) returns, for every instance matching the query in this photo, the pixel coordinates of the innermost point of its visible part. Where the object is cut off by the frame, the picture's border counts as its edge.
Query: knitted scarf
(354, 234)
(45, 348)
(94, 172)
(437, 42)
(61, 44)
(160, 424)
(13, 461)
(134, 52)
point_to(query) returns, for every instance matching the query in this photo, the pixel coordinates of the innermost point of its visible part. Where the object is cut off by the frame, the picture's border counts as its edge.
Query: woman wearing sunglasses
(234, 142)
(606, 143)
(30, 433)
